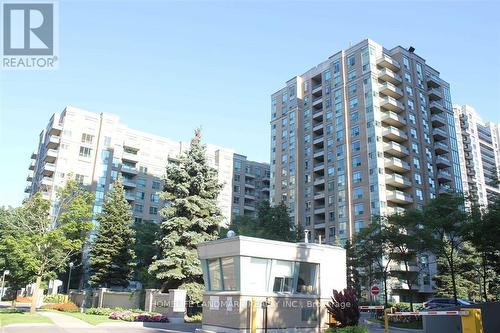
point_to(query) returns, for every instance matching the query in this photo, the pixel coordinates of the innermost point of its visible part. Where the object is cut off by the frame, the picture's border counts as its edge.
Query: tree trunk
(410, 285)
(386, 303)
(453, 282)
(34, 296)
(484, 278)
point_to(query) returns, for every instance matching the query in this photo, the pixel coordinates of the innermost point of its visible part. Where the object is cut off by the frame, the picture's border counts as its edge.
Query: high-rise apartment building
(250, 185)
(98, 148)
(370, 131)
(479, 152)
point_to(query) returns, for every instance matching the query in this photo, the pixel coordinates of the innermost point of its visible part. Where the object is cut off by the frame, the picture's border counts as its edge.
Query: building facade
(97, 148)
(478, 143)
(250, 185)
(370, 131)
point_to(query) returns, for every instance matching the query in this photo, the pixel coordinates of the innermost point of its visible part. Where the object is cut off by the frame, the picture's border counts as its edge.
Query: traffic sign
(375, 290)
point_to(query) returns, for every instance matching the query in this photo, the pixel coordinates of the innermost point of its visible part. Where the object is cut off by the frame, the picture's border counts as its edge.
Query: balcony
(319, 180)
(436, 107)
(468, 147)
(444, 189)
(319, 195)
(392, 104)
(394, 134)
(128, 183)
(51, 156)
(32, 165)
(468, 156)
(471, 172)
(433, 81)
(393, 119)
(435, 94)
(49, 169)
(55, 129)
(443, 176)
(29, 176)
(47, 181)
(249, 184)
(319, 166)
(129, 195)
(126, 169)
(265, 189)
(438, 120)
(318, 115)
(53, 142)
(317, 101)
(395, 210)
(319, 139)
(130, 157)
(396, 149)
(250, 208)
(317, 90)
(391, 90)
(397, 165)
(319, 222)
(318, 128)
(320, 209)
(399, 197)
(441, 148)
(397, 180)
(439, 134)
(27, 189)
(34, 155)
(250, 195)
(388, 75)
(442, 162)
(319, 153)
(387, 62)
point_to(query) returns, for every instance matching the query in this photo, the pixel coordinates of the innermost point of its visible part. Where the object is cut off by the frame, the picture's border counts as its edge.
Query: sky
(168, 67)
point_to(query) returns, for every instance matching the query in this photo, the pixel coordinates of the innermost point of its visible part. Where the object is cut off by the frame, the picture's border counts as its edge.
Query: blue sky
(167, 67)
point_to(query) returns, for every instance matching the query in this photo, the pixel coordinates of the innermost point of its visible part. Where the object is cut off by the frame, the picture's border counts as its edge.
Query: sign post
(375, 290)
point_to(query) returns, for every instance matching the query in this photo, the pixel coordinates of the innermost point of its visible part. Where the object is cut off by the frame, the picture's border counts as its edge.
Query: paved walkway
(65, 321)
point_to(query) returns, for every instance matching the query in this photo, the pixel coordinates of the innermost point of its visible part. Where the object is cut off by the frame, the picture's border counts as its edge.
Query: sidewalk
(64, 321)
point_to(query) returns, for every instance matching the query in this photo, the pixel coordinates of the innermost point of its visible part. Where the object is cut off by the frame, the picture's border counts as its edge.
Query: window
(306, 282)
(138, 208)
(237, 165)
(107, 141)
(85, 152)
(358, 225)
(418, 179)
(357, 177)
(139, 195)
(353, 103)
(79, 178)
(356, 161)
(353, 88)
(156, 185)
(236, 200)
(87, 138)
(419, 193)
(355, 130)
(351, 60)
(153, 210)
(141, 182)
(358, 193)
(351, 75)
(154, 198)
(358, 209)
(282, 276)
(214, 274)
(356, 146)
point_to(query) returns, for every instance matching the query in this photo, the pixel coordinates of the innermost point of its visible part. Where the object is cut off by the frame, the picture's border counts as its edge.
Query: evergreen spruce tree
(192, 216)
(111, 254)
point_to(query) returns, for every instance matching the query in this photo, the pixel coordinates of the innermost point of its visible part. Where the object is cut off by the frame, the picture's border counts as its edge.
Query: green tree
(42, 248)
(191, 217)
(111, 253)
(446, 219)
(145, 250)
(73, 213)
(406, 243)
(352, 264)
(270, 223)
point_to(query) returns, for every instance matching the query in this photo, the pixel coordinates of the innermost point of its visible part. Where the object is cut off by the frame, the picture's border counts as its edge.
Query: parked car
(441, 303)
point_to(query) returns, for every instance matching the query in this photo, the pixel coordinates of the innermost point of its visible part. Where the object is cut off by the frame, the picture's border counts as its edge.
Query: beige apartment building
(479, 151)
(98, 148)
(250, 185)
(370, 131)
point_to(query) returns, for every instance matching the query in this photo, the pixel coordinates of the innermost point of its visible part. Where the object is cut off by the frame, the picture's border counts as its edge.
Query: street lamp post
(69, 277)
(6, 272)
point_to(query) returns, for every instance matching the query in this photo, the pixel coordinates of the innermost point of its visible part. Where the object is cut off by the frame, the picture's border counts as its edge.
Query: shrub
(195, 318)
(344, 307)
(58, 298)
(348, 329)
(136, 316)
(101, 311)
(23, 299)
(64, 307)
(11, 310)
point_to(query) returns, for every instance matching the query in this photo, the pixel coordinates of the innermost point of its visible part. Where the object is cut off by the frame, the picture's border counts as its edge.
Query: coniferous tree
(111, 254)
(191, 188)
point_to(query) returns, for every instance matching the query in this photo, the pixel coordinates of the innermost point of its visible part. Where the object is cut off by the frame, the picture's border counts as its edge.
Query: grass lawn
(22, 318)
(89, 318)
